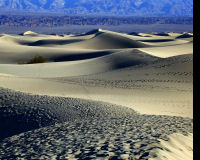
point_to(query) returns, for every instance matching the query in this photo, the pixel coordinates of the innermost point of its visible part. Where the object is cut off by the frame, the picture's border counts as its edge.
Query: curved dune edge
(178, 147)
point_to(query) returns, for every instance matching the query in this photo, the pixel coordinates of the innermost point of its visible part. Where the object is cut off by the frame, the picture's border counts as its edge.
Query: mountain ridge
(104, 7)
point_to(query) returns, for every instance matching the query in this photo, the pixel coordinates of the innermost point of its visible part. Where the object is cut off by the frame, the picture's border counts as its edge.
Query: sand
(176, 148)
(112, 85)
(66, 128)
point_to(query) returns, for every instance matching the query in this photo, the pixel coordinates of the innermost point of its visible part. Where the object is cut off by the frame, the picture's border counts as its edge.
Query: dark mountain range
(104, 7)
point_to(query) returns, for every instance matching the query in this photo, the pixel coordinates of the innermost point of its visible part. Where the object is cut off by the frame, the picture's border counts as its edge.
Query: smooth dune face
(123, 77)
(172, 50)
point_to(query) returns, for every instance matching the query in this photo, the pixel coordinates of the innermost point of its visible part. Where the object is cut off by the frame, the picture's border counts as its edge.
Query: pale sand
(149, 73)
(178, 147)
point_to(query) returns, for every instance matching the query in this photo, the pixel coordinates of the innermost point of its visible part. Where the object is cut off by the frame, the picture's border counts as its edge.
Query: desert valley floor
(100, 95)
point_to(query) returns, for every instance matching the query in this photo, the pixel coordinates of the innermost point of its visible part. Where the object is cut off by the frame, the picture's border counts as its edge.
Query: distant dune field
(99, 95)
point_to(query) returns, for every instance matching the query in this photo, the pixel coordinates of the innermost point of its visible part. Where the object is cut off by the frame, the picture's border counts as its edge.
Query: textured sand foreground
(101, 95)
(66, 128)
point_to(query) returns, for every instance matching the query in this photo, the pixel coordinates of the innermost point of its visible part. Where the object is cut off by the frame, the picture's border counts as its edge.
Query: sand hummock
(100, 95)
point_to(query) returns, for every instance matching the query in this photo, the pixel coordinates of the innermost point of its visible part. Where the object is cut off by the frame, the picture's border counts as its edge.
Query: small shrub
(36, 59)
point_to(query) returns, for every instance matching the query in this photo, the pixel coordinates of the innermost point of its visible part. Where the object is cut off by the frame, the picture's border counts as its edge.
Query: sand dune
(108, 94)
(106, 61)
(51, 42)
(22, 53)
(109, 41)
(179, 64)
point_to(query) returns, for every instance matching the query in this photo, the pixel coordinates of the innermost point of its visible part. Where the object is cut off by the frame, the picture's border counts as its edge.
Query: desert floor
(100, 95)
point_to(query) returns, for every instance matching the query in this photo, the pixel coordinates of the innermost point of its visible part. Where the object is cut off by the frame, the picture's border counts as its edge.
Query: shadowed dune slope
(157, 40)
(162, 34)
(180, 64)
(52, 56)
(134, 34)
(174, 73)
(50, 42)
(21, 40)
(98, 40)
(12, 53)
(113, 61)
(109, 41)
(186, 35)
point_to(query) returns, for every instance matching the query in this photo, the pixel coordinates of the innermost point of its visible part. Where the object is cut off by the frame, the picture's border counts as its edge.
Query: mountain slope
(113, 7)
